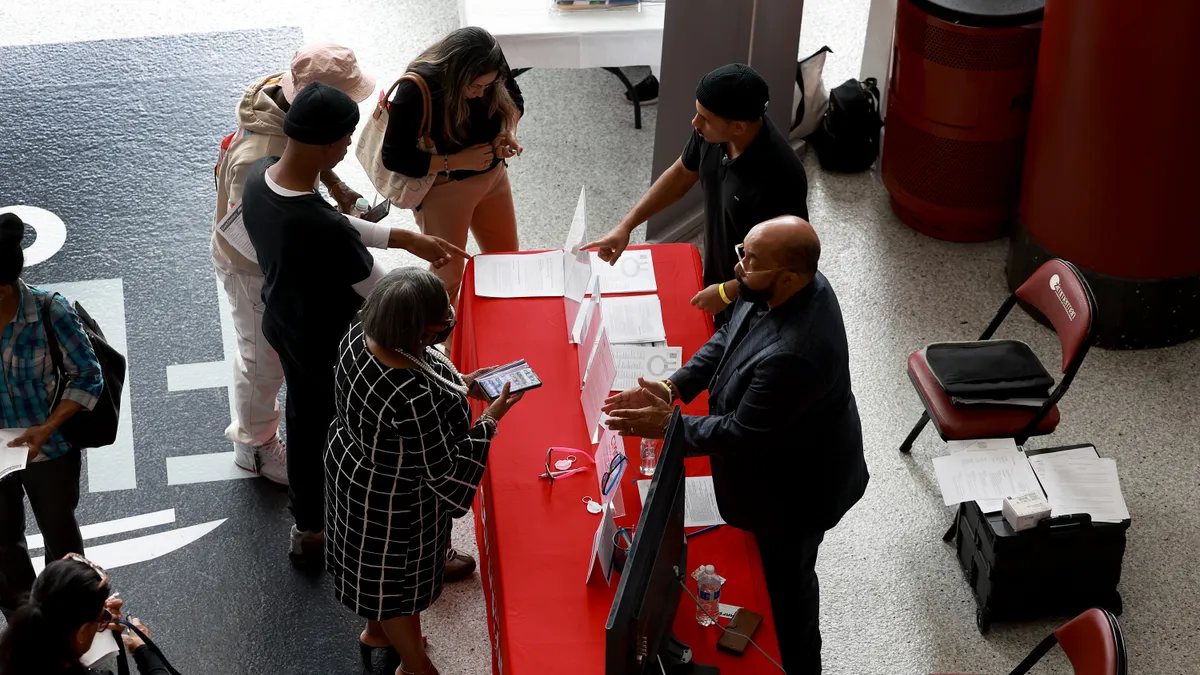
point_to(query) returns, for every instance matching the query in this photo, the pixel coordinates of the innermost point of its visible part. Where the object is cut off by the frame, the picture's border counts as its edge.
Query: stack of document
(633, 319)
(649, 362)
(1080, 481)
(632, 273)
(985, 472)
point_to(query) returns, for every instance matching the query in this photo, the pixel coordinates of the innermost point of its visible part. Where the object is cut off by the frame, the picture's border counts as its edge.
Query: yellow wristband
(670, 392)
(721, 291)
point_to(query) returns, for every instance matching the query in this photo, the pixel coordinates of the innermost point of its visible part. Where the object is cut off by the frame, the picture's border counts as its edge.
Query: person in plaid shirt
(27, 403)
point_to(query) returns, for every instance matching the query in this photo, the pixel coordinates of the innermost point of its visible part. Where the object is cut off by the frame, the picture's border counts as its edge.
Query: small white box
(1023, 512)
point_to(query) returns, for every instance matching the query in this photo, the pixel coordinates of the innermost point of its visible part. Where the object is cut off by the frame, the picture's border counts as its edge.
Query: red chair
(1063, 296)
(1093, 642)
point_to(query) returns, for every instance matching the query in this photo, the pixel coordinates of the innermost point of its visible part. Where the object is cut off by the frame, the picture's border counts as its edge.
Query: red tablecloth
(533, 540)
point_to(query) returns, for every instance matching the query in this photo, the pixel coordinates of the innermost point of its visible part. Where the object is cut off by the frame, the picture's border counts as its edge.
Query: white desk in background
(533, 35)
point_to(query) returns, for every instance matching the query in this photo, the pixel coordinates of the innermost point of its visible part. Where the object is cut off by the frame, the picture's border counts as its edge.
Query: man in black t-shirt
(746, 167)
(317, 273)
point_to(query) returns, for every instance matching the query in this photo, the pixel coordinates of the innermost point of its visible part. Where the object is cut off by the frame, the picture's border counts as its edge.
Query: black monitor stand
(676, 659)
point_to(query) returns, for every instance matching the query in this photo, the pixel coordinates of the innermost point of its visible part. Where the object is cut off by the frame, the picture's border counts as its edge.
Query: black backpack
(848, 138)
(97, 427)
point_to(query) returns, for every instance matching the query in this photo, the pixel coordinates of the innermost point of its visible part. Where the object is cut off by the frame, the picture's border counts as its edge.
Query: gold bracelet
(721, 291)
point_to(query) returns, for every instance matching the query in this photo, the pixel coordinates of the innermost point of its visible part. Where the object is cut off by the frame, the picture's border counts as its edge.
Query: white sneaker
(268, 460)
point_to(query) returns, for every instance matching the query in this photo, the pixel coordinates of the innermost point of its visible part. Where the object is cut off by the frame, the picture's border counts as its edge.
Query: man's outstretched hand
(643, 411)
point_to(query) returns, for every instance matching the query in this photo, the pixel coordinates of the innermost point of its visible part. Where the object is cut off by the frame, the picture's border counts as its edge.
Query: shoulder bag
(402, 191)
(97, 427)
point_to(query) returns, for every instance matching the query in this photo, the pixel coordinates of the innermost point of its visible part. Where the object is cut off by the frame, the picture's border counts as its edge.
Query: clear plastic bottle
(709, 586)
(649, 454)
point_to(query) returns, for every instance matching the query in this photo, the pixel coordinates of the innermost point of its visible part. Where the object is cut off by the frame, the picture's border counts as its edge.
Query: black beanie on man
(736, 92)
(320, 115)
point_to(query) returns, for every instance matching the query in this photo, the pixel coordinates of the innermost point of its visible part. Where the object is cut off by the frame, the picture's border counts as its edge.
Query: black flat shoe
(392, 657)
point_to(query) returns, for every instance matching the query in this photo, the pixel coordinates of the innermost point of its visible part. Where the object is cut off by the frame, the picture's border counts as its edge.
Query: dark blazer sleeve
(695, 375)
(780, 386)
(399, 152)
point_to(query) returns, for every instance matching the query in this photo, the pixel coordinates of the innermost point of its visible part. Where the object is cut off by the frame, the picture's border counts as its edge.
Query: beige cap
(329, 64)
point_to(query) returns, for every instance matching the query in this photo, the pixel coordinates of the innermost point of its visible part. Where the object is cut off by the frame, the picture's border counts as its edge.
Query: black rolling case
(1064, 566)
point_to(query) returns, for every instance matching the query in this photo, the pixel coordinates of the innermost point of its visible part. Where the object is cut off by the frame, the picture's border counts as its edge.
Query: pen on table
(701, 531)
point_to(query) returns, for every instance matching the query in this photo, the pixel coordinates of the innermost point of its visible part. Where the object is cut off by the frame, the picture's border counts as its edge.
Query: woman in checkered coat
(403, 459)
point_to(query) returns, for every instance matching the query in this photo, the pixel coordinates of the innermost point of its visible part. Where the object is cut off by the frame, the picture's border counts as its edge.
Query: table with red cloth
(534, 539)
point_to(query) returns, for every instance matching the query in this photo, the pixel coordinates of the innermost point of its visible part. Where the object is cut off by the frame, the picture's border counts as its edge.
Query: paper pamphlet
(577, 270)
(1079, 481)
(632, 273)
(652, 363)
(983, 475)
(633, 319)
(611, 445)
(699, 503)
(1009, 444)
(12, 459)
(597, 385)
(587, 325)
(603, 547)
(234, 231)
(537, 275)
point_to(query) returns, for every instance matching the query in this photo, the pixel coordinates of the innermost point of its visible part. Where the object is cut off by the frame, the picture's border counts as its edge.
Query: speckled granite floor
(894, 600)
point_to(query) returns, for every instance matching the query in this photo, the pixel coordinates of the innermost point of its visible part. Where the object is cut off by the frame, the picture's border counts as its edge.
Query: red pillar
(1112, 164)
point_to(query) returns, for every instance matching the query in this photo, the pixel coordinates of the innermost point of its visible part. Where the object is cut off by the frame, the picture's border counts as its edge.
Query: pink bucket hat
(329, 64)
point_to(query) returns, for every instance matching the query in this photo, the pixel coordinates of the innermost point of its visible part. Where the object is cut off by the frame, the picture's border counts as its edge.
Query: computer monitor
(638, 633)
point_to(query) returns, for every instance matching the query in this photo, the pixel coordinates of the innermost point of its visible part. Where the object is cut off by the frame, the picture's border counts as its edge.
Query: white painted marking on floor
(207, 468)
(141, 549)
(190, 376)
(51, 232)
(110, 468)
(121, 525)
(188, 469)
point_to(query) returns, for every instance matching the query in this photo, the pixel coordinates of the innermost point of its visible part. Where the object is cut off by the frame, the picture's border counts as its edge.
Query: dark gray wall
(700, 35)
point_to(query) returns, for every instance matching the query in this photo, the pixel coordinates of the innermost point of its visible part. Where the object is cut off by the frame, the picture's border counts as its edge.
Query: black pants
(53, 489)
(790, 567)
(308, 364)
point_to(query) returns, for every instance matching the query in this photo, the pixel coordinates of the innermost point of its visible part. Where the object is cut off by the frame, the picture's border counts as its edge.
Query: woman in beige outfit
(475, 106)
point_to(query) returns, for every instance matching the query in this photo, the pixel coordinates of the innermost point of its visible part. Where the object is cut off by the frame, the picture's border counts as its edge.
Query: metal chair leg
(906, 446)
(637, 105)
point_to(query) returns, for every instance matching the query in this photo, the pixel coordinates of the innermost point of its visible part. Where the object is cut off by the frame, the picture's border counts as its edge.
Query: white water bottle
(709, 585)
(361, 206)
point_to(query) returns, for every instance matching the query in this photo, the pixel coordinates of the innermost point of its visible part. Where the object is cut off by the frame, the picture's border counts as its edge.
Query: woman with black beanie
(35, 401)
(68, 607)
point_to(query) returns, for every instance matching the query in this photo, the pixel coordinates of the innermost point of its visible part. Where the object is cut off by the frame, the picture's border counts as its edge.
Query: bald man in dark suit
(783, 433)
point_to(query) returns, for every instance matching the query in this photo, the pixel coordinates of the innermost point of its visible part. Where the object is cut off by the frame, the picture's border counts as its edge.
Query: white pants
(257, 373)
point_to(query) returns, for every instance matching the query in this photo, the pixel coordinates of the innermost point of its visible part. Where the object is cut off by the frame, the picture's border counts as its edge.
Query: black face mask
(445, 333)
(754, 295)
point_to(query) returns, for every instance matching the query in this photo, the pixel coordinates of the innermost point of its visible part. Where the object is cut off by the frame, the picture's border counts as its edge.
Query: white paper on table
(652, 363)
(233, 229)
(102, 645)
(699, 502)
(725, 611)
(597, 385)
(537, 275)
(1078, 481)
(632, 273)
(1009, 444)
(633, 319)
(603, 547)
(577, 269)
(12, 459)
(584, 325)
(983, 475)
